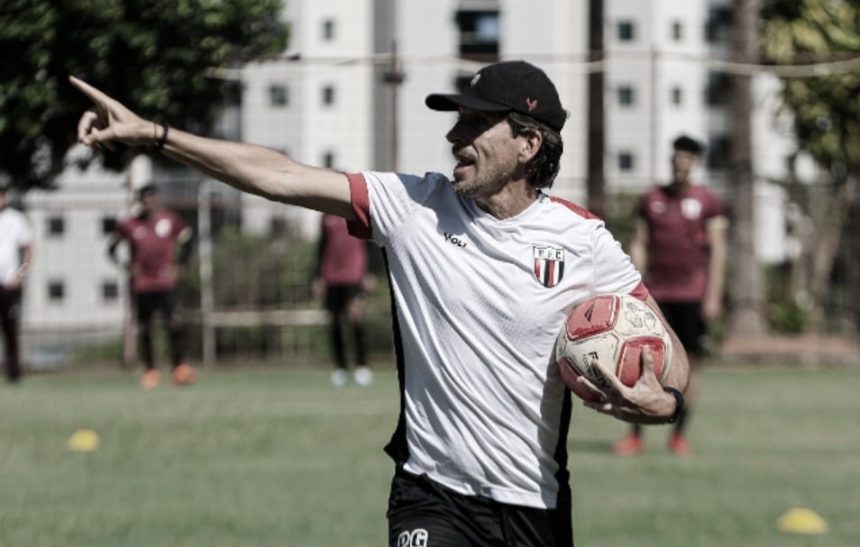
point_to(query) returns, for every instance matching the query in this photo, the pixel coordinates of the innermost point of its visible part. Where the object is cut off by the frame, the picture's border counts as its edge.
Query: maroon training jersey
(344, 257)
(678, 248)
(153, 240)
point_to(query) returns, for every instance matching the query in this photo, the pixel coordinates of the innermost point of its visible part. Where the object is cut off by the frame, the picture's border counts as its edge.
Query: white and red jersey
(15, 235)
(479, 302)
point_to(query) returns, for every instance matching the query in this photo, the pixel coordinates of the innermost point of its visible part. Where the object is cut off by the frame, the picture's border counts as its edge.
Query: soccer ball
(612, 329)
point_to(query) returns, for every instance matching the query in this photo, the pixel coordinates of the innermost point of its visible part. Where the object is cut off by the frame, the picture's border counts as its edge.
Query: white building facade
(327, 103)
(309, 104)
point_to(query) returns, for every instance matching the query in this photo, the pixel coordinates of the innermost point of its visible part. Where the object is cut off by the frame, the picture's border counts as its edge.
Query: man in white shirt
(16, 250)
(483, 270)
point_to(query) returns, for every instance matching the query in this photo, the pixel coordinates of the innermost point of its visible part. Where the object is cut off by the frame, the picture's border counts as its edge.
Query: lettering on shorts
(413, 538)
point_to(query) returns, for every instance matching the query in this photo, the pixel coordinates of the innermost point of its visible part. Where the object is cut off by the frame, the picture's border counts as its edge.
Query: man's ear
(530, 144)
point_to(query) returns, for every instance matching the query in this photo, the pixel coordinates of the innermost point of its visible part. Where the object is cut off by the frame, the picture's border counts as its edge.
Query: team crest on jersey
(163, 227)
(549, 265)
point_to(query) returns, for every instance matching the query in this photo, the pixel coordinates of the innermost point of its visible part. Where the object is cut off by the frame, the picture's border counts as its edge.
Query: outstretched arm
(249, 168)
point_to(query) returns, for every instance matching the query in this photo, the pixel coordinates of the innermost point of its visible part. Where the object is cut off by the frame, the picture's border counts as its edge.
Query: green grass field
(278, 457)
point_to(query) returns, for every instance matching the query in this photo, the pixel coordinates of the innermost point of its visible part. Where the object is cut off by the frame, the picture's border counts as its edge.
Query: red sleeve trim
(360, 227)
(640, 291)
(581, 211)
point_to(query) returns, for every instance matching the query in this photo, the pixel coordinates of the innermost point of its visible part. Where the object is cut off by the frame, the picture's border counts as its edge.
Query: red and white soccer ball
(612, 329)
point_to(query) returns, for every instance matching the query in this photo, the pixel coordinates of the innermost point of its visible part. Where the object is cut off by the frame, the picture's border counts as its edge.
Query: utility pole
(747, 315)
(207, 294)
(595, 177)
(394, 77)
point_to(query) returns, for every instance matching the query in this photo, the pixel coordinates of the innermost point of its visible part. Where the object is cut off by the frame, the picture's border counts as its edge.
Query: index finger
(648, 361)
(612, 381)
(88, 90)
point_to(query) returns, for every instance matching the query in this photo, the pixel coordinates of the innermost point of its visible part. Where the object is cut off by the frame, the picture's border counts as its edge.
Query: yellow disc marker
(83, 440)
(800, 520)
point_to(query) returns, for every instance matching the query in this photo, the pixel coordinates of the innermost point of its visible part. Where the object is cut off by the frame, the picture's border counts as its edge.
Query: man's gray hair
(543, 168)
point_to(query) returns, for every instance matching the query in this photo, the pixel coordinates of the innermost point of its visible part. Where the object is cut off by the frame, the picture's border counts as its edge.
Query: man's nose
(455, 135)
(452, 136)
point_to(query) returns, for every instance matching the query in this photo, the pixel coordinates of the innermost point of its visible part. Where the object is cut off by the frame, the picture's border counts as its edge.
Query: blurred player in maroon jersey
(342, 279)
(154, 234)
(680, 244)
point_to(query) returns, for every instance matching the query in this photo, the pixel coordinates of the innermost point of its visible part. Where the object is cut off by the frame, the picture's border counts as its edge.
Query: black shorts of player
(338, 296)
(686, 320)
(148, 303)
(422, 513)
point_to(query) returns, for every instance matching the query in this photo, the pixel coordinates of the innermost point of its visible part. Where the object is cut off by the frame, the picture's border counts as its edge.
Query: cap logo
(532, 104)
(475, 79)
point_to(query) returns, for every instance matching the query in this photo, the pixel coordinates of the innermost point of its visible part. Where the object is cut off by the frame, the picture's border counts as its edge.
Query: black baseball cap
(508, 86)
(688, 144)
(147, 189)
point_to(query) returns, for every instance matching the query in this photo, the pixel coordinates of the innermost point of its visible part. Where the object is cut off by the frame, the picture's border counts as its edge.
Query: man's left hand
(644, 403)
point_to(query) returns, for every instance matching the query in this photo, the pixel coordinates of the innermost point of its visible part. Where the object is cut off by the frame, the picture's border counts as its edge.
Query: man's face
(683, 163)
(149, 201)
(486, 152)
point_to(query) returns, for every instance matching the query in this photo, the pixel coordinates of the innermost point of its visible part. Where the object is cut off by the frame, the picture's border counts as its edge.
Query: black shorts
(337, 297)
(422, 513)
(163, 302)
(686, 320)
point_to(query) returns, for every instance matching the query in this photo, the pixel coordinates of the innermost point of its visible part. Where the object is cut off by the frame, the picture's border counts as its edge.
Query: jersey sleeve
(614, 272)
(177, 224)
(713, 206)
(383, 202)
(123, 228)
(25, 234)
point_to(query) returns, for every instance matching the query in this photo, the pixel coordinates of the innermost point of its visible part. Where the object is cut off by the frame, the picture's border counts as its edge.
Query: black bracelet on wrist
(679, 403)
(160, 144)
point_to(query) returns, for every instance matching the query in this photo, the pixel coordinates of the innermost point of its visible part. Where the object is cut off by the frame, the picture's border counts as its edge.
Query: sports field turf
(277, 457)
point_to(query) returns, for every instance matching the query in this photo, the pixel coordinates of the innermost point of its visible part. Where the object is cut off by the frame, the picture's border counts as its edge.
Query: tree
(595, 180)
(826, 113)
(747, 318)
(155, 54)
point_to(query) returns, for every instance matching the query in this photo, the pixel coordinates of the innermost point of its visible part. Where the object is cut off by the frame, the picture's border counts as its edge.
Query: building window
(277, 226)
(719, 152)
(719, 89)
(626, 31)
(328, 95)
(56, 226)
(626, 161)
(110, 291)
(328, 30)
(56, 291)
(677, 95)
(479, 34)
(278, 95)
(108, 225)
(677, 31)
(328, 160)
(718, 26)
(626, 95)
